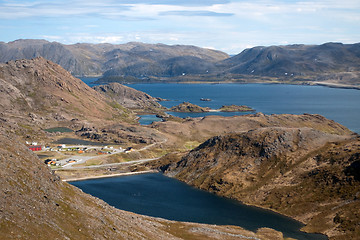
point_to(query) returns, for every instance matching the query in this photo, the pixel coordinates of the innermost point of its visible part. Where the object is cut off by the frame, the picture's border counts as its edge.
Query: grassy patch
(58, 129)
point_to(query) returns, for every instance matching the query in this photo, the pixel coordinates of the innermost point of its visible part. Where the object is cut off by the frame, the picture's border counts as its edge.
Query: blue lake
(159, 196)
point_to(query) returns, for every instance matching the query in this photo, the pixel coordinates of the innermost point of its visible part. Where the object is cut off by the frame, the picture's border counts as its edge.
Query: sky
(226, 25)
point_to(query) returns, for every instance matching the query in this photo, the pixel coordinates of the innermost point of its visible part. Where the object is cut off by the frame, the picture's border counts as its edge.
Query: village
(64, 156)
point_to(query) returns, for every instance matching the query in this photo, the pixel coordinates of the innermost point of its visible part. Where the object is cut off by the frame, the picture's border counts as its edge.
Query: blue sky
(226, 25)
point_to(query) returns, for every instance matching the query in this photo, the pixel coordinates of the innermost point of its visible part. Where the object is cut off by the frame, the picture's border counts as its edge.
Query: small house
(35, 147)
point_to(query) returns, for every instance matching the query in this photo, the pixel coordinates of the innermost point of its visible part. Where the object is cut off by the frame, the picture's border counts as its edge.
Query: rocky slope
(134, 59)
(301, 172)
(36, 204)
(37, 94)
(129, 97)
(42, 90)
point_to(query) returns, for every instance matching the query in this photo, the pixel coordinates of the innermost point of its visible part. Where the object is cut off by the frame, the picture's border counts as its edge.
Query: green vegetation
(58, 129)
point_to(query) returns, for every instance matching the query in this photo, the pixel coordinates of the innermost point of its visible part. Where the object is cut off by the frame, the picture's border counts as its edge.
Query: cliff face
(301, 172)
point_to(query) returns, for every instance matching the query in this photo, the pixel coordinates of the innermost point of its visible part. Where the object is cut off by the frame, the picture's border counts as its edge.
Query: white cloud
(226, 25)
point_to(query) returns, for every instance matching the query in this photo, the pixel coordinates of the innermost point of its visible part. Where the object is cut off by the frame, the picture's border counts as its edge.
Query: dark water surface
(159, 196)
(74, 141)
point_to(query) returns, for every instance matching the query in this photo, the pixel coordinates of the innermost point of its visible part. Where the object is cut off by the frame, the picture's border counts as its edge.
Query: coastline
(305, 83)
(108, 176)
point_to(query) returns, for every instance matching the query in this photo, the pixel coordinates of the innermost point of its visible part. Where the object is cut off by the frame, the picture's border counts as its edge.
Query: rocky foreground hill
(44, 91)
(304, 173)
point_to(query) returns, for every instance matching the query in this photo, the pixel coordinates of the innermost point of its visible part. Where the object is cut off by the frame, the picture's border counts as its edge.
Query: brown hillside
(43, 90)
(301, 172)
(35, 204)
(200, 129)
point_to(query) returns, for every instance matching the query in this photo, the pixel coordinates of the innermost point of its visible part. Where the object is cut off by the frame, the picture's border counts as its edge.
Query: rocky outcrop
(129, 97)
(189, 107)
(301, 172)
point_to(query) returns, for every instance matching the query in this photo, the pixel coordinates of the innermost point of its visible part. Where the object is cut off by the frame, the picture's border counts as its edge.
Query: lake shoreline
(90, 177)
(244, 204)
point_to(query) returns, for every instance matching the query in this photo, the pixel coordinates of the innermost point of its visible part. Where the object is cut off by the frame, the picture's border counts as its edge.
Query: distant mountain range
(332, 63)
(134, 59)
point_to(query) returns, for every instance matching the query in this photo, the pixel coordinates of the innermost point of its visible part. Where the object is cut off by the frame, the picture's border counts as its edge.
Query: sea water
(340, 105)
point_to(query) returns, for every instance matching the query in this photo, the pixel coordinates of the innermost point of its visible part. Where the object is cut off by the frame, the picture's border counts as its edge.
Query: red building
(35, 148)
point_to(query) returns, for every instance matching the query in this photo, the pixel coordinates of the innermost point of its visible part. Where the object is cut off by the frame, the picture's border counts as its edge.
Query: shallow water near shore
(159, 196)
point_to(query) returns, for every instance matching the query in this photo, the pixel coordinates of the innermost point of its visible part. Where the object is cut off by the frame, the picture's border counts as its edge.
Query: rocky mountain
(39, 90)
(334, 64)
(134, 59)
(304, 173)
(129, 97)
(329, 61)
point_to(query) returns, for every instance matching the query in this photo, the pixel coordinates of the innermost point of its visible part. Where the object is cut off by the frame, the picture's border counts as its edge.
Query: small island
(189, 107)
(236, 108)
(192, 108)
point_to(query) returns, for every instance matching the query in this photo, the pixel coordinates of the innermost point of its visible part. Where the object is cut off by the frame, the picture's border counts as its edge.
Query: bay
(159, 196)
(340, 105)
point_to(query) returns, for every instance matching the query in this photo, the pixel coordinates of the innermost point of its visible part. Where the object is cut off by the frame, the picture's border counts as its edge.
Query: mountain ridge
(84, 59)
(332, 64)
